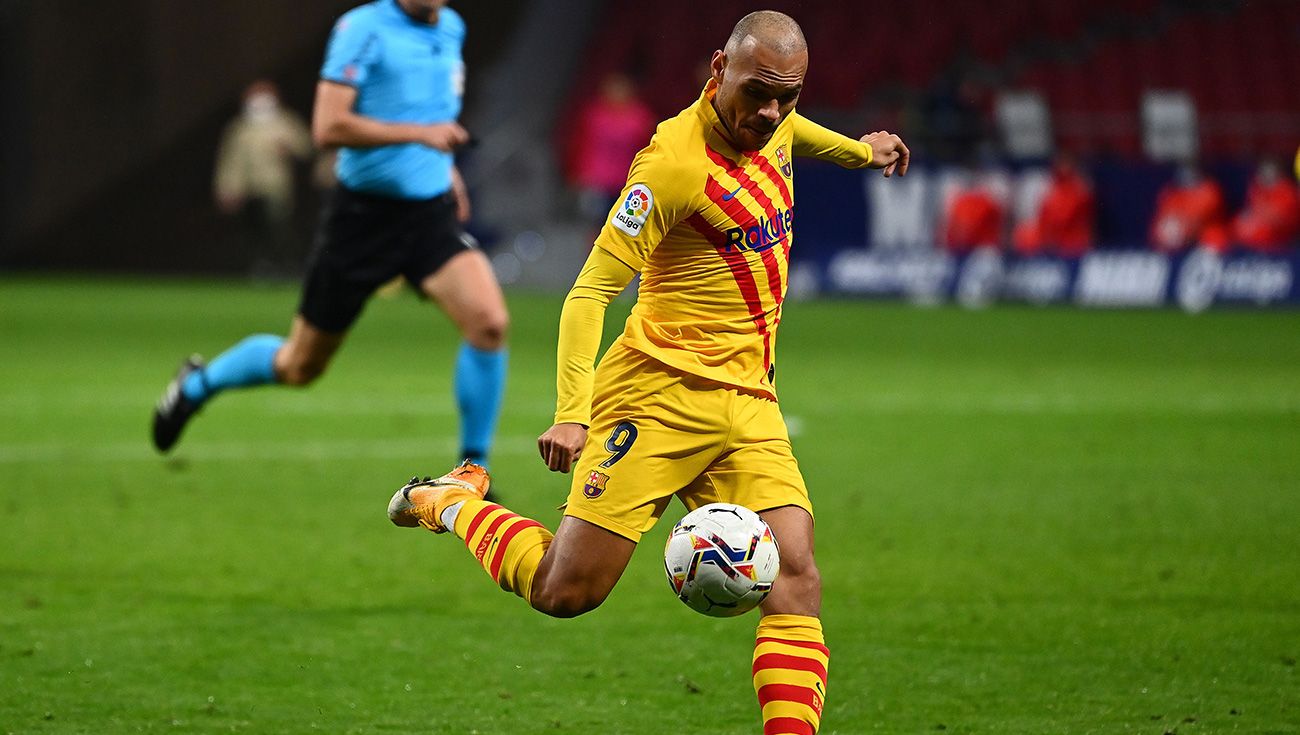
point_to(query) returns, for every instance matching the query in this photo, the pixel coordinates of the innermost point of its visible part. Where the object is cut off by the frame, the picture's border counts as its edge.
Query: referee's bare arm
(334, 124)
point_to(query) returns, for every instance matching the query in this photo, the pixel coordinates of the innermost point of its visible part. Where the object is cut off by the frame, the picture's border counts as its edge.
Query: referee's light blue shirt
(404, 71)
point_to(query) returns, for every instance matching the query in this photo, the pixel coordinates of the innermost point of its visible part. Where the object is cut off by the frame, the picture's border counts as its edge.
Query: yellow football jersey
(710, 228)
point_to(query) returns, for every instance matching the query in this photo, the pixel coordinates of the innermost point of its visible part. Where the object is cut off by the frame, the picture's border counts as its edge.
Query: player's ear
(718, 65)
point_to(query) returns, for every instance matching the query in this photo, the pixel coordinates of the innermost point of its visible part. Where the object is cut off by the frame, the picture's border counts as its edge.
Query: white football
(721, 559)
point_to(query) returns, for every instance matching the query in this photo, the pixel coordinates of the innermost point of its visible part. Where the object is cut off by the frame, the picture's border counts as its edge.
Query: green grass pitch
(1031, 521)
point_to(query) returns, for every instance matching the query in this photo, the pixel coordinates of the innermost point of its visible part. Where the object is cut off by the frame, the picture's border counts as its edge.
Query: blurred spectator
(1064, 224)
(254, 173)
(610, 130)
(323, 177)
(1270, 219)
(954, 122)
(975, 216)
(1189, 212)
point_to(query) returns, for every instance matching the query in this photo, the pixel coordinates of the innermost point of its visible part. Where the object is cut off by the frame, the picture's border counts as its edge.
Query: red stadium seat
(1235, 60)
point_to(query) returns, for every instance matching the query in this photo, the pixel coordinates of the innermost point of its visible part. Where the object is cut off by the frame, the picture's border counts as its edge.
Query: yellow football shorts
(657, 432)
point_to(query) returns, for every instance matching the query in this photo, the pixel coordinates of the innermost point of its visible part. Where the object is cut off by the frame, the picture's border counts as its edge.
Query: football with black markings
(721, 560)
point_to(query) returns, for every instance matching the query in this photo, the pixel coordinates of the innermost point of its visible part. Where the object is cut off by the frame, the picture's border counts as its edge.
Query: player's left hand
(887, 152)
(561, 446)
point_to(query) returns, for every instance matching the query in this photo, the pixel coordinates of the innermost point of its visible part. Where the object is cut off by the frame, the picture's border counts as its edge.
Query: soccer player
(684, 402)
(389, 95)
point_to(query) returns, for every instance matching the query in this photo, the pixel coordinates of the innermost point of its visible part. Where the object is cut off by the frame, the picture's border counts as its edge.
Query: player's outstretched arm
(887, 152)
(581, 324)
(875, 150)
(334, 123)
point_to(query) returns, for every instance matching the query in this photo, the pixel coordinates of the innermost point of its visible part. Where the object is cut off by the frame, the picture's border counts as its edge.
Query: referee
(389, 94)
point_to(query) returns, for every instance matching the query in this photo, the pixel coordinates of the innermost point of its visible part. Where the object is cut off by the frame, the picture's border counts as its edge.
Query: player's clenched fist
(887, 152)
(561, 445)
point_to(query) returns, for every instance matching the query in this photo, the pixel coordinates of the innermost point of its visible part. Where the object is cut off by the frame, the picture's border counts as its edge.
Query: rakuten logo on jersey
(763, 234)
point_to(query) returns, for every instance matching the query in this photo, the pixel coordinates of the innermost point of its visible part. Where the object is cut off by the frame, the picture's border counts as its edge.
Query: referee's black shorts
(364, 240)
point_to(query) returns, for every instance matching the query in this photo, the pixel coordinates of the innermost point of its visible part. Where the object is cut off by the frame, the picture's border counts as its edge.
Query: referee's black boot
(174, 409)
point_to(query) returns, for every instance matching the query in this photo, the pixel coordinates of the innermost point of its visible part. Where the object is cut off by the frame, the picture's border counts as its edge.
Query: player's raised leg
(306, 353)
(790, 654)
(468, 291)
(259, 359)
(563, 574)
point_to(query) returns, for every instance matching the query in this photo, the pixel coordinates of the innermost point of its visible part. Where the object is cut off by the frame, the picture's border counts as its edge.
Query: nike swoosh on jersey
(732, 194)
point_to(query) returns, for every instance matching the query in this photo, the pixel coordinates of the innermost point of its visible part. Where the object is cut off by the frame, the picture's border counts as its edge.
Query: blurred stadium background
(114, 115)
(1030, 519)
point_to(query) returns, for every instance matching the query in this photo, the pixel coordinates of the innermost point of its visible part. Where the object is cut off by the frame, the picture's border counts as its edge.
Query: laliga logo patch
(595, 485)
(782, 160)
(631, 215)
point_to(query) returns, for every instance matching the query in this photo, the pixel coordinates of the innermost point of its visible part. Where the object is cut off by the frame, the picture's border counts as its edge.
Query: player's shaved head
(759, 76)
(770, 29)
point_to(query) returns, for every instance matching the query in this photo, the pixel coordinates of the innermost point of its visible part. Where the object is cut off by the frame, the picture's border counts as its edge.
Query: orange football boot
(421, 502)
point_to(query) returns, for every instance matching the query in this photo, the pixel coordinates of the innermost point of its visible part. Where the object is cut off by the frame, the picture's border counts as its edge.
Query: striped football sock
(508, 545)
(790, 661)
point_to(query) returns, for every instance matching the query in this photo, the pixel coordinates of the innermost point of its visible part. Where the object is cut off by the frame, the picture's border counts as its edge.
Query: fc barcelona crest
(595, 484)
(783, 161)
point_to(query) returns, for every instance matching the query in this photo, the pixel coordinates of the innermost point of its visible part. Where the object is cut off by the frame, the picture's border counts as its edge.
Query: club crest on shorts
(783, 160)
(631, 214)
(595, 484)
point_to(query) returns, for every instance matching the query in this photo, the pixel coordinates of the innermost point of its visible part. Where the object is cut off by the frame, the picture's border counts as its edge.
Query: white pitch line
(798, 423)
(437, 407)
(227, 451)
(1064, 404)
(422, 404)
